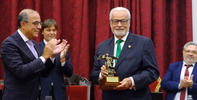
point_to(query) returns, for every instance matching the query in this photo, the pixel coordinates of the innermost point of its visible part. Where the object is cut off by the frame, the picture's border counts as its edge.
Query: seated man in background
(52, 81)
(180, 81)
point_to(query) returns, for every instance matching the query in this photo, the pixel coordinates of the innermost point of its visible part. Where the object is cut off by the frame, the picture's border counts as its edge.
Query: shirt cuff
(43, 60)
(133, 84)
(52, 59)
(100, 76)
(179, 86)
(63, 63)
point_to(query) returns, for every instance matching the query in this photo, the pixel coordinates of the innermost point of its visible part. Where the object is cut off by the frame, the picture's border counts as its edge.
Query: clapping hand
(60, 47)
(64, 51)
(53, 47)
(49, 48)
(186, 82)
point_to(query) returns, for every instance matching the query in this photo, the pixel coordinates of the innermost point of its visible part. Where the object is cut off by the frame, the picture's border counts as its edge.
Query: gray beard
(120, 33)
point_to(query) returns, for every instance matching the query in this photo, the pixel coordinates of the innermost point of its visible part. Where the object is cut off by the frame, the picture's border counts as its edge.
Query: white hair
(189, 43)
(119, 8)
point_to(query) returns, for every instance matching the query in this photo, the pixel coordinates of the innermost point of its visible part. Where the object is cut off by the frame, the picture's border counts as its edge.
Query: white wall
(194, 19)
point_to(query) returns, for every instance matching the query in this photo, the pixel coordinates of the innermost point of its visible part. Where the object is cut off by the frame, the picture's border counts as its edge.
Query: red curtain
(85, 23)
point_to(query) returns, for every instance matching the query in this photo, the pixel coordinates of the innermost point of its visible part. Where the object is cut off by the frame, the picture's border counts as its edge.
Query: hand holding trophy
(110, 81)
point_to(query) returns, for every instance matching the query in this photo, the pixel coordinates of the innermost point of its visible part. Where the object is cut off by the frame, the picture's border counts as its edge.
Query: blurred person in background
(52, 80)
(180, 80)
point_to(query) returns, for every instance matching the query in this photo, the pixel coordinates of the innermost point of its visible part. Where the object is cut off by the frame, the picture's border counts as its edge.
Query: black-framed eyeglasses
(116, 21)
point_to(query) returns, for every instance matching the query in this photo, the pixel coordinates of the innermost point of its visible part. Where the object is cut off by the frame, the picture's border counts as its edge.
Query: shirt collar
(22, 35)
(45, 42)
(124, 38)
(186, 64)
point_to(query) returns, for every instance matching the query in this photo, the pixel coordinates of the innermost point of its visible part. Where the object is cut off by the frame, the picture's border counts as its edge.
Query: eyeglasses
(116, 22)
(36, 23)
(187, 51)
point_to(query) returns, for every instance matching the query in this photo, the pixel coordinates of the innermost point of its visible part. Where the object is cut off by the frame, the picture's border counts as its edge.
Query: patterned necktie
(31, 47)
(118, 50)
(183, 92)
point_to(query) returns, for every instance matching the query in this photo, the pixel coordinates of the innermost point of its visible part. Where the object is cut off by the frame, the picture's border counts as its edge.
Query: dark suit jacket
(171, 81)
(21, 69)
(55, 75)
(139, 61)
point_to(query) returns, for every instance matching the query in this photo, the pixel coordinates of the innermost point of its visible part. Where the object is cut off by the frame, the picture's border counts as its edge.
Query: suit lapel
(40, 48)
(36, 48)
(178, 70)
(194, 69)
(129, 44)
(23, 46)
(111, 47)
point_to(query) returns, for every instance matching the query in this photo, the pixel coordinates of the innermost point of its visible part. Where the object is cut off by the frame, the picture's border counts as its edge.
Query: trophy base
(109, 83)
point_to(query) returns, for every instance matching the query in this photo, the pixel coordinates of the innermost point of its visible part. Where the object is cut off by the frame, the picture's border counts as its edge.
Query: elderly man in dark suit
(22, 63)
(136, 65)
(52, 81)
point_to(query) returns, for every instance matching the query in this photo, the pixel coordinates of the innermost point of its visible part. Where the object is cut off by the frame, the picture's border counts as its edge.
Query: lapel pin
(129, 46)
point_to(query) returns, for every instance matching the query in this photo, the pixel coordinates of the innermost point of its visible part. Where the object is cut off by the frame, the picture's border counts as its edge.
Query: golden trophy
(111, 81)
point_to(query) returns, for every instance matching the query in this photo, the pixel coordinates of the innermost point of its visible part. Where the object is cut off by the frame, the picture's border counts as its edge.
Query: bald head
(29, 23)
(24, 14)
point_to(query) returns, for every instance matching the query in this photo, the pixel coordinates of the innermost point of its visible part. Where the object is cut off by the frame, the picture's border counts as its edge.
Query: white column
(194, 19)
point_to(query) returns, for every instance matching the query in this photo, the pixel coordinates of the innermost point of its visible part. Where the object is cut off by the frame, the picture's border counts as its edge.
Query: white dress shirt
(25, 39)
(190, 69)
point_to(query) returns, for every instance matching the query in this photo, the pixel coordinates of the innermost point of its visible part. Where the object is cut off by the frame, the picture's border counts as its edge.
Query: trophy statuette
(110, 81)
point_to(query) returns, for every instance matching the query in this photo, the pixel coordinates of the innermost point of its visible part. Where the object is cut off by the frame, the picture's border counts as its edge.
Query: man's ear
(22, 23)
(42, 32)
(110, 24)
